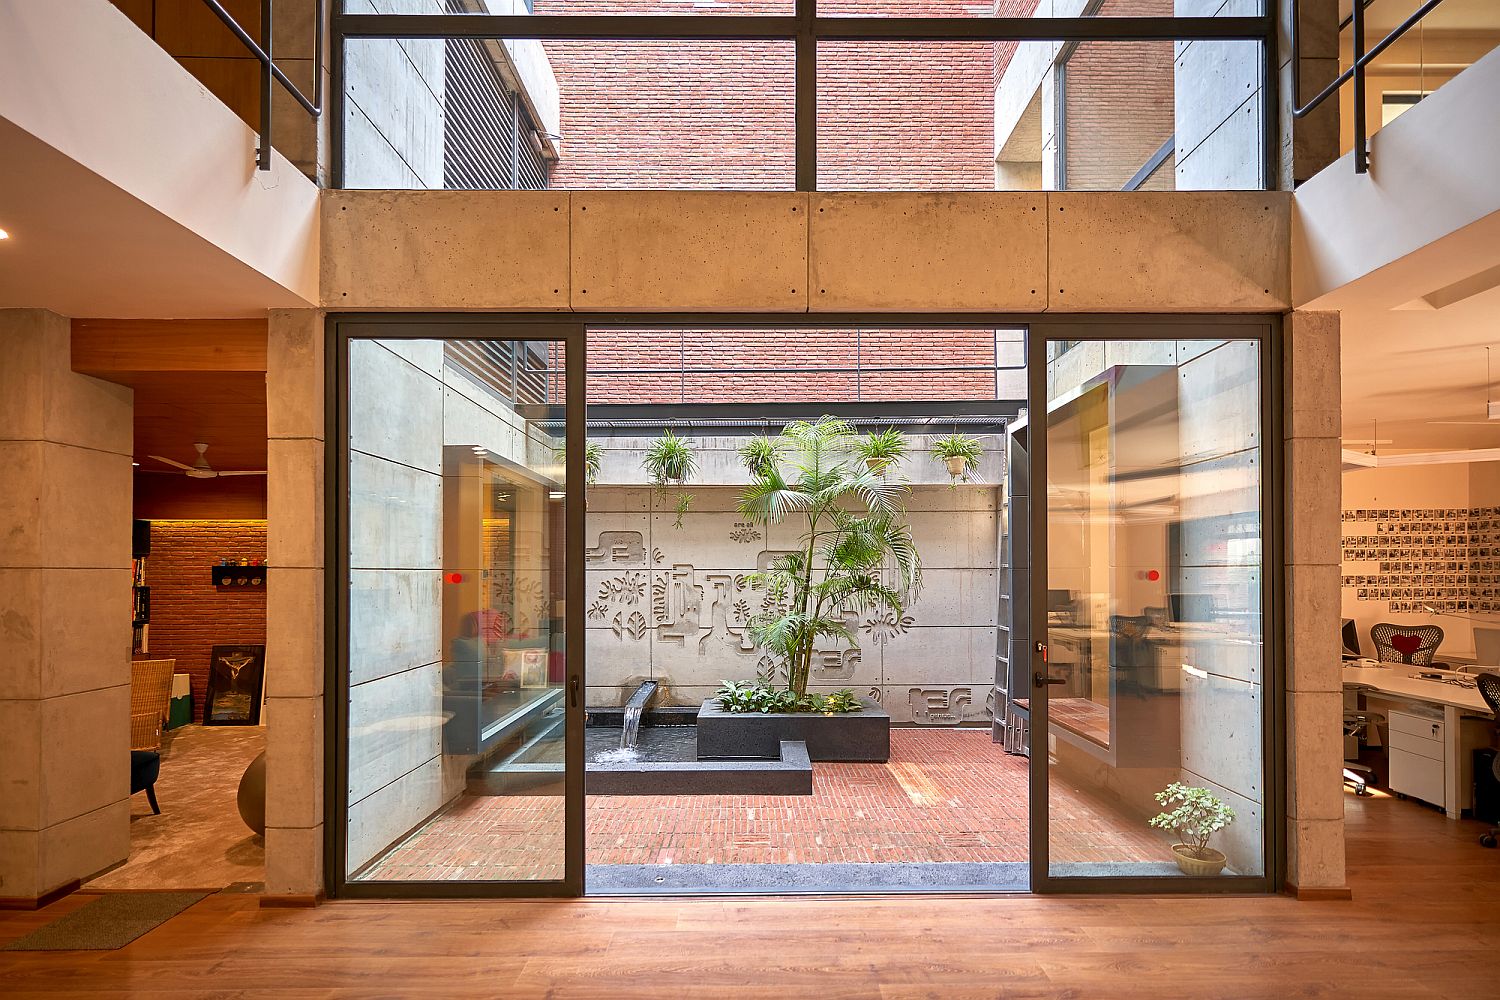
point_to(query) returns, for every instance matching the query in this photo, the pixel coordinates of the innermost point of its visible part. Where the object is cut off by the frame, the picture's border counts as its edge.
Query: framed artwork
(235, 677)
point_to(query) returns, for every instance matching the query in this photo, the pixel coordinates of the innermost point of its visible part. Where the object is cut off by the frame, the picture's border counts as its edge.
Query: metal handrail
(270, 71)
(1356, 72)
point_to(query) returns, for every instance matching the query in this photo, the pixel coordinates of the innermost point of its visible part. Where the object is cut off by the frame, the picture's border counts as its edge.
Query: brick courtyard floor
(947, 795)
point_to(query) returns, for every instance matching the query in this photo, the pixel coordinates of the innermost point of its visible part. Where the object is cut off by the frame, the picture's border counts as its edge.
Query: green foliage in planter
(760, 453)
(882, 449)
(1194, 814)
(765, 697)
(593, 460)
(960, 446)
(669, 460)
(853, 527)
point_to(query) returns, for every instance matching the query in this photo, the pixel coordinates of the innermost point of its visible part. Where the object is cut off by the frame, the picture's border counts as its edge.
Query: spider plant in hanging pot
(593, 460)
(881, 449)
(1195, 815)
(960, 453)
(671, 461)
(760, 454)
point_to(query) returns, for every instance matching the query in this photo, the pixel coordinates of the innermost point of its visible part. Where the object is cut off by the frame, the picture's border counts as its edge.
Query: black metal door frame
(340, 332)
(571, 330)
(1266, 332)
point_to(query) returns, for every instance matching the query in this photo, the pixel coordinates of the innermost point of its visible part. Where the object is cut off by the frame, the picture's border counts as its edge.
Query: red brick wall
(189, 615)
(781, 351)
(719, 115)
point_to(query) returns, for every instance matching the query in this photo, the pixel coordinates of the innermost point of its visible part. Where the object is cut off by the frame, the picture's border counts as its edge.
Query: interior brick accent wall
(189, 615)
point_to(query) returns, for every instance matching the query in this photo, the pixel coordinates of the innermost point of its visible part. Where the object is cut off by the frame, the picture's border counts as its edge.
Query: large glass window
(1155, 634)
(873, 95)
(456, 651)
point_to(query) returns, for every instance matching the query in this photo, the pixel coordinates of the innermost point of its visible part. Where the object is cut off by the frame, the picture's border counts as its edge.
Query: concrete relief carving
(618, 548)
(522, 599)
(939, 706)
(679, 602)
(834, 664)
(887, 626)
(876, 695)
(763, 561)
(745, 532)
(681, 607)
(621, 601)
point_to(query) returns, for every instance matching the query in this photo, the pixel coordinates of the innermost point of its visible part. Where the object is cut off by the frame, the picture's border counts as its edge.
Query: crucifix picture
(235, 676)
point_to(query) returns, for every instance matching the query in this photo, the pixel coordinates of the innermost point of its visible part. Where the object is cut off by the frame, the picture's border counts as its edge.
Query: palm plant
(882, 449)
(671, 460)
(854, 527)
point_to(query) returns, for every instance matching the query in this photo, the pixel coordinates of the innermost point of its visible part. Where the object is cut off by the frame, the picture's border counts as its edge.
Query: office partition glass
(1154, 674)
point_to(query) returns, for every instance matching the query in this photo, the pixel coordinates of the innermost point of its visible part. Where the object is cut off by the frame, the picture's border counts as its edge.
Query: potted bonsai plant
(671, 461)
(1195, 815)
(960, 453)
(853, 533)
(881, 449)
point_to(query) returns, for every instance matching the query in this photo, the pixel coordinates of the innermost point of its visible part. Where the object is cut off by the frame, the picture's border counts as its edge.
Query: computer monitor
(1351, 638)
(1191, 607)
(1487, 646)
(1059, 600)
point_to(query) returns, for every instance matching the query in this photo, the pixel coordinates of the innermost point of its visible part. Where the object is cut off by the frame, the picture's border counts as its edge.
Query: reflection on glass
(456, 641)
(1154, 576)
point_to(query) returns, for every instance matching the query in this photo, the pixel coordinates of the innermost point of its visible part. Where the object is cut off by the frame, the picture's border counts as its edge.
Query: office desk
(1395, 681)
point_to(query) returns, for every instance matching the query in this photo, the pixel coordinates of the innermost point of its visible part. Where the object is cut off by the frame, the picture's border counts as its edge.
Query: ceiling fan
(202, 470)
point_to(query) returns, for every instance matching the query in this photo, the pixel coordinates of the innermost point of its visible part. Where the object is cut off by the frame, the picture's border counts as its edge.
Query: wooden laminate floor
(1425, 923)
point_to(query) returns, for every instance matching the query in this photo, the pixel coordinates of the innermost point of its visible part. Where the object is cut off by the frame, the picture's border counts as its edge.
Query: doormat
(111, 921)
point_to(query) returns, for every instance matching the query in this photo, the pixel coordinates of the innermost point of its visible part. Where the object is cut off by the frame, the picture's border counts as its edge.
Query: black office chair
(1489, 689)
(1409, 644)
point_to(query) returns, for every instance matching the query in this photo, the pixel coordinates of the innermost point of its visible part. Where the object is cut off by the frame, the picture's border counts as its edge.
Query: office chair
(1357, 724)
(1489, 689)
(1410, 644)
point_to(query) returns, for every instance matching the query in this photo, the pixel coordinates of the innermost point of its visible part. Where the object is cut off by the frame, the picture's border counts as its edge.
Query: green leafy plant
(764, 696)
(960, 453)
(593, 460)
(853, 527)
(759, 453)
(882, 449)
(671, 460)
(1193, 814)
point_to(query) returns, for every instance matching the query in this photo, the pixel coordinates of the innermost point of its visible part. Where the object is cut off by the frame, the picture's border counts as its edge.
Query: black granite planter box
(858, 737)
(789, 772)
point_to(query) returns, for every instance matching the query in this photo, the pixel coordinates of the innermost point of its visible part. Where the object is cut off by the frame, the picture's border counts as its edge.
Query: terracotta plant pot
(956, 465)
(1191, 864)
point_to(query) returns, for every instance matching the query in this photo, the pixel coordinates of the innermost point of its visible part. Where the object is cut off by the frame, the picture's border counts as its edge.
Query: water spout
(631, 730)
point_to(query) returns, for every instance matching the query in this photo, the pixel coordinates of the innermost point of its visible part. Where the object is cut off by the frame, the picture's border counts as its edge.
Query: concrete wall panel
(690, 250)
(933, 252)
(1187, 251)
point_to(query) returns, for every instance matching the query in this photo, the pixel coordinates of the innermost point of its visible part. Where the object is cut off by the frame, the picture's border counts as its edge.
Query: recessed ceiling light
(4, 235)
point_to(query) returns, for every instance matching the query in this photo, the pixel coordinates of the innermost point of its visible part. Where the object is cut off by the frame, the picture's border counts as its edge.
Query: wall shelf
(239, 577)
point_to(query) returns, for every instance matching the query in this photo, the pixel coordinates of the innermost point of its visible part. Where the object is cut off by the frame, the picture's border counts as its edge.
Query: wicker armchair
(150, 699)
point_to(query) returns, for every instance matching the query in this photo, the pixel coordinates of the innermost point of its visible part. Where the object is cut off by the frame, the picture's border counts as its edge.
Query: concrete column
(294, 606)
(1315, 800)
(65, 607)
(1307, 144)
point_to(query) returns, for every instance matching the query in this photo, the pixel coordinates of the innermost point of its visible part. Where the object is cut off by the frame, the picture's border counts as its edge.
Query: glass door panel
(459, 697)
(1152, 695)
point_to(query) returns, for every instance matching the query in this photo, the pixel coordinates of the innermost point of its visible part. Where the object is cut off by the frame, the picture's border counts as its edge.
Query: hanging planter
(960, 453)
(671, 461)
(881, 450)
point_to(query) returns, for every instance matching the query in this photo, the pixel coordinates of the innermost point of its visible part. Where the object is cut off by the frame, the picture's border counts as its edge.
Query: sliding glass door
(1152, 682)
(459, 474)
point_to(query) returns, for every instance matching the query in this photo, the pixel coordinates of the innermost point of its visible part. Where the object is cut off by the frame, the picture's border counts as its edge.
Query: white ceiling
(80, 246)
(1414, 370)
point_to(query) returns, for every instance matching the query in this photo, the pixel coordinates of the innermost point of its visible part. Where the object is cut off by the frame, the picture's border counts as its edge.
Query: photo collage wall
(1444, 558)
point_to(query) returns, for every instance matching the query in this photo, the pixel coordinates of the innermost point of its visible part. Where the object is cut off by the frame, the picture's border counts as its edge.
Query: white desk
(1395, 681)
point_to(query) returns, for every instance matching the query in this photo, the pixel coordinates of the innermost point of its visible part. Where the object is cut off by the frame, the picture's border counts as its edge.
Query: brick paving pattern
(947, 795)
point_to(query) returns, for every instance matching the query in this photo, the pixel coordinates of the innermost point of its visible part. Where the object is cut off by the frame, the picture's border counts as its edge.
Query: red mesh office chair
(1413, 644)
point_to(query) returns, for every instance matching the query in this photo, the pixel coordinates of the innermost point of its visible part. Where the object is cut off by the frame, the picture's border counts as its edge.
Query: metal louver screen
(487, 132)
(515, 371)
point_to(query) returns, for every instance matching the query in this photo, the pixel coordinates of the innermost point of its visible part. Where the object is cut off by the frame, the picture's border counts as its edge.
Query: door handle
(573, 691)
(1042, 680)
